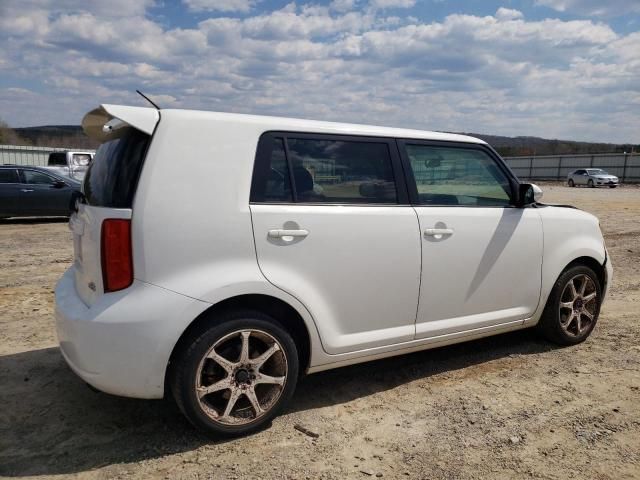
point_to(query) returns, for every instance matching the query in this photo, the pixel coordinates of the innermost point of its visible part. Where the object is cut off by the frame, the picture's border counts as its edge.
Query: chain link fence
(626, 166)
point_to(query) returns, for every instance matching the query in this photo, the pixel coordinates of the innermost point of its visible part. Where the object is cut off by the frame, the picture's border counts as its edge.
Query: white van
(220, 256)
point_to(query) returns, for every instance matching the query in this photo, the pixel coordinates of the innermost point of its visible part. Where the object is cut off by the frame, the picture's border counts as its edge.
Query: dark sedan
(34, 192)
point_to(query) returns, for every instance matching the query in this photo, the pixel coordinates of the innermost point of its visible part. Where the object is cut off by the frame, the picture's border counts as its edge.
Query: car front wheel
(236, 376)
(573, 307)
(591, 184)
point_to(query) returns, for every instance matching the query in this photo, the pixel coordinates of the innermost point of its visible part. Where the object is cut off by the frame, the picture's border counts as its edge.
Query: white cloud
(591, 8)
(500, 74)
(381, 4)
(220, 5)
(342, 5)
(508, 14)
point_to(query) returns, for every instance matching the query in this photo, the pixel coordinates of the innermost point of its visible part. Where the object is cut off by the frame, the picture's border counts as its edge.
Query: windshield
(112, 176)
(596, 171)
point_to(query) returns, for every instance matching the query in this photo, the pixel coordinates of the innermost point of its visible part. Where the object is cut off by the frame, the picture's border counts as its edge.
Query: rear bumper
(122, 343)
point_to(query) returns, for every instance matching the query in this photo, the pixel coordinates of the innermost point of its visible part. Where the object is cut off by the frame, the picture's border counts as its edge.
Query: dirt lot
(511, 406)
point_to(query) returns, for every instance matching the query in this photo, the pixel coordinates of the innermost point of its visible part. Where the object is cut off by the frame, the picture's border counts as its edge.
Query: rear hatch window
(112, 176)
(81, 159)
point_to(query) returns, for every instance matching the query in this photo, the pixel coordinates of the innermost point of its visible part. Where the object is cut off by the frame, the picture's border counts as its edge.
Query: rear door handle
(25, 190)
(431, 232)
(279, 233)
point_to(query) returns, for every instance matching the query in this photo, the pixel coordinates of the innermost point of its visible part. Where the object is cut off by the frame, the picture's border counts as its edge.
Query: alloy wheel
(241, 377)
(578, 305)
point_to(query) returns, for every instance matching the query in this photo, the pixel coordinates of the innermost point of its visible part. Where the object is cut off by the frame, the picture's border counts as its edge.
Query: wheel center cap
(578, 304)
(242, 376)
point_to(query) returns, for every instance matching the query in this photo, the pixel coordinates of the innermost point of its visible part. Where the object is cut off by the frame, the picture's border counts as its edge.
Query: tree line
(72, 136)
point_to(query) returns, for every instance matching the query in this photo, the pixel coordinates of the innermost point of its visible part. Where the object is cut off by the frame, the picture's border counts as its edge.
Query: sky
(567, 69)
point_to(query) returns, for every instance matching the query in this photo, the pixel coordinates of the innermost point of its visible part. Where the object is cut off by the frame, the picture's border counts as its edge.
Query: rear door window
(336, 171)
(112, 177)
(9, 175)
(324, 169)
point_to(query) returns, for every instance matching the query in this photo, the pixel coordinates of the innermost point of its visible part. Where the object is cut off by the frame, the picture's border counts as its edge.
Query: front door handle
(280, 233)
(432, 232)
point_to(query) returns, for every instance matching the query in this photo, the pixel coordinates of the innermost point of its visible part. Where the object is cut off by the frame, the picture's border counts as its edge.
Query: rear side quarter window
(58, 158)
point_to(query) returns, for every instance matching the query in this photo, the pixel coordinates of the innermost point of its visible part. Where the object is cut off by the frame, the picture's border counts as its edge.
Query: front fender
(569, 234)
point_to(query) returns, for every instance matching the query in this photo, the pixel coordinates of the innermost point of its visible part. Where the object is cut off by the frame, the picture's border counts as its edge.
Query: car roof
(317, 126)
(145, 119)
(32, 167)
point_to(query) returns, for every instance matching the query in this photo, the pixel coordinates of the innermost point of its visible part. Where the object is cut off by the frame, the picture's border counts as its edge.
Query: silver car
(592, 177)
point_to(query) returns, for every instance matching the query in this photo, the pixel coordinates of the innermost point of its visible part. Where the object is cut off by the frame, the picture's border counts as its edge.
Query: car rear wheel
(571, 183)
(236, 376)
(573, 307)
(590, 183)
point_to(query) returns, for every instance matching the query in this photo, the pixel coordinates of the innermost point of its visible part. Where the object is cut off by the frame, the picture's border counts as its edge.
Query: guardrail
(27, 155)
(626, 166)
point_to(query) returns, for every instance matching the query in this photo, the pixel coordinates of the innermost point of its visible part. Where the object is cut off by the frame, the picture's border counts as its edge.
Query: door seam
(255, 249)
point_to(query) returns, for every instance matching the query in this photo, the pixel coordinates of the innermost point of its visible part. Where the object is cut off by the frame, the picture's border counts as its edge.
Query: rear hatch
(101, 225)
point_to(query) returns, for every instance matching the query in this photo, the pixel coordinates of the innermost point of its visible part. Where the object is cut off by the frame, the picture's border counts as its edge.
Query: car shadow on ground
(52, 424)
(32, 220)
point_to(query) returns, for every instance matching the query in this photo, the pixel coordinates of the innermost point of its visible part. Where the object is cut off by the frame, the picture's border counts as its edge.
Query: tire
(267, 374)
(591, 184)
(560, 323)
(612, 186)
(571, 183)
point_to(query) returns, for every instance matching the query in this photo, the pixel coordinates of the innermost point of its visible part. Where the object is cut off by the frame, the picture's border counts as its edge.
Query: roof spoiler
(100, 123)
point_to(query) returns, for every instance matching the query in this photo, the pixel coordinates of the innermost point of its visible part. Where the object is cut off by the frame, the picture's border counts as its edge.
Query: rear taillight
(117, 262)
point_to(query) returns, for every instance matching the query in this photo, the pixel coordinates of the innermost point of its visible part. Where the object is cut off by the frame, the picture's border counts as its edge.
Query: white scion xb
(219, 256)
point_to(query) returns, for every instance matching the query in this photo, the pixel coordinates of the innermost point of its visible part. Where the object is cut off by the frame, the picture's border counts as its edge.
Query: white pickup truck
(73, 164)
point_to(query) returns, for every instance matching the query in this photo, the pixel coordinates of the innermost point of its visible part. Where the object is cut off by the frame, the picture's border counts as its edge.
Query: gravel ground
(510, 406)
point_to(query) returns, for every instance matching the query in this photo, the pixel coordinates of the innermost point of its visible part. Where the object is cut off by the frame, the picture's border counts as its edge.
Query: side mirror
(58, 184)
(528, 194)
(433, 162)
(537, 192)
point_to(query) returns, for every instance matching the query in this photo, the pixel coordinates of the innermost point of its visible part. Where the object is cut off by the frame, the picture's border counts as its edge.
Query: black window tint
(9, 175)
(112, 176)
(336, 171)
(37, 178)
(457, 176)
(58, 158)
(278, 187)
